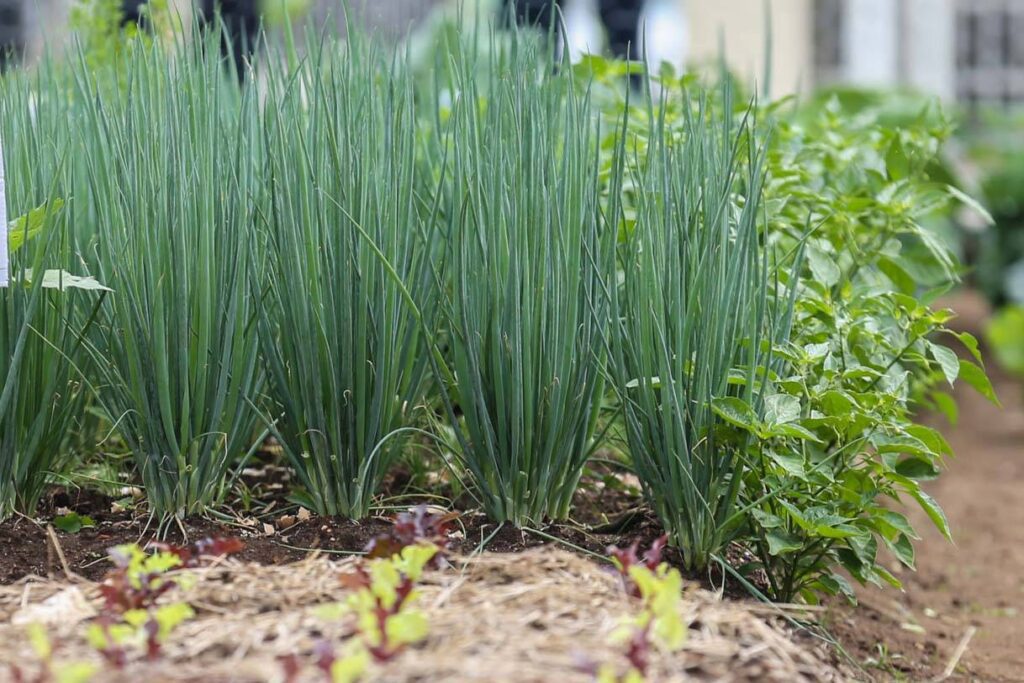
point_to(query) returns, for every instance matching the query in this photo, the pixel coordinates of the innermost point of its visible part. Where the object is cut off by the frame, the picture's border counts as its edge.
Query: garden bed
(541, 615)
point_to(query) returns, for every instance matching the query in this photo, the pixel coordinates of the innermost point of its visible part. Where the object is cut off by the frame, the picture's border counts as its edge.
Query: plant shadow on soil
(975, 587)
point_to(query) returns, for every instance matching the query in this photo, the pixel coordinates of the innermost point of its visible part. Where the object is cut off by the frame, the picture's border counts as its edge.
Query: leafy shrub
(867, 351)
(833, 435)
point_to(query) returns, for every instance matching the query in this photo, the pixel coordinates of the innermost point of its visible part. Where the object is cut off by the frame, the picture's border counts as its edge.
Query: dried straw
(533, 616)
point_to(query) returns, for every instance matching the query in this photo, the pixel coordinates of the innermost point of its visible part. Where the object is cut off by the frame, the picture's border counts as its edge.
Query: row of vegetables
(498, 271)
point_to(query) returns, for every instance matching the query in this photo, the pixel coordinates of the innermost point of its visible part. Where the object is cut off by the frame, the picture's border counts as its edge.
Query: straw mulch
(532, 616)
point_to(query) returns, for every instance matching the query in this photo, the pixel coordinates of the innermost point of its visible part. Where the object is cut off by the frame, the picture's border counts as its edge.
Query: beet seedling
(658, 626)
(382, 607)
(50, 671)
(625, 560)
(383, 599)
(417, 527)
(131, 617)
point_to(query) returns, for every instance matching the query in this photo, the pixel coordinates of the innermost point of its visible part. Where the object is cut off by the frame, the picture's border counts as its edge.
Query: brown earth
(971, 591)
(279, 532)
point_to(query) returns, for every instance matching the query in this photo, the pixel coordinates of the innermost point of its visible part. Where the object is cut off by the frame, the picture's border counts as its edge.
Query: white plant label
(4, 256)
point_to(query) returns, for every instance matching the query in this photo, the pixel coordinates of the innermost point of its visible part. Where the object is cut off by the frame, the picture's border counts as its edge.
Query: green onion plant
(352, 287)
(43, 313)
(694, 317)
(170, 180)
(530, 262)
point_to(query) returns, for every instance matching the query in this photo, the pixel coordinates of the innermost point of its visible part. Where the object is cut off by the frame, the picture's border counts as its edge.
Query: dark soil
(278, 532)
(976, 584)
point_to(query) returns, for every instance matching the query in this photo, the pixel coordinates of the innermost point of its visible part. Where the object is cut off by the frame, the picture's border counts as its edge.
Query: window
(990, 51)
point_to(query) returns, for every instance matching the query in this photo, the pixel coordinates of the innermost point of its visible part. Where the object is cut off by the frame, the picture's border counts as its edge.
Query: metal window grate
(990, 51)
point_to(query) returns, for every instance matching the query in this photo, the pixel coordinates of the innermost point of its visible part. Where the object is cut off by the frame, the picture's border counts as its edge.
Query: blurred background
(969, 51)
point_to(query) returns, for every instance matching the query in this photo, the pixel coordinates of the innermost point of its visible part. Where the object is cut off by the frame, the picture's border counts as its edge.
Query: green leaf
(823, 266)
(895, 271)
(896, 161)
(946, 404)
(62, 280)
(836, 403)
(920, 469)
(903, 549)
(897, 521)
(836, 584)
(781, 408)
(735, 411)
(886, 576)
(976, 377)
(970, 342)
(795, 431)
(837, 531)
(947, 360)
(767, 519)
(969, 201)
(27, 227)
(72, 522)
(793, 462)
(781, 542)
(934, 512)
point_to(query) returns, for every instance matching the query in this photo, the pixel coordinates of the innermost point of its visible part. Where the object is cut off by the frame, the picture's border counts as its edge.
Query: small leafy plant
(420, 526)
(138, 628)
(72, 522)
(383, 611)
(133, 616)
(50, 670)
(385, 592)
(658, 625)
(625, 560)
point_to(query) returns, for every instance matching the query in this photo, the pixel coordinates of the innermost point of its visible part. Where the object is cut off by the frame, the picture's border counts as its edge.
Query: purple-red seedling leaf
(192, 555)
(291, 667)
(419, 525)
(638, 652)
(325, 657)
(357, 579)
(652, 558)
(383, 546)
(630, 557)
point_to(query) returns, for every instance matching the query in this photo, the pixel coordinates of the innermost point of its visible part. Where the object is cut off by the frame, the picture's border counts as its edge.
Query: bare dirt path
(974, 588)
